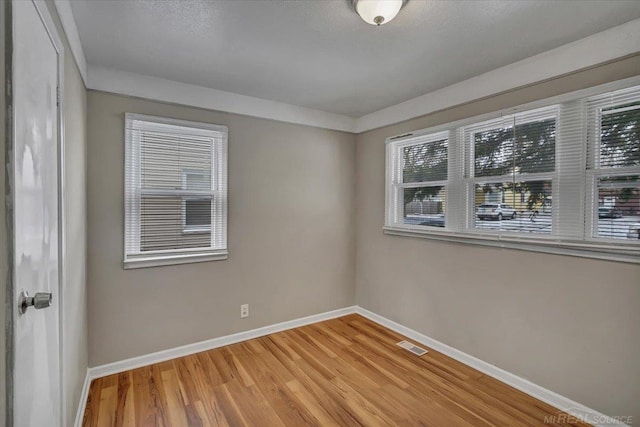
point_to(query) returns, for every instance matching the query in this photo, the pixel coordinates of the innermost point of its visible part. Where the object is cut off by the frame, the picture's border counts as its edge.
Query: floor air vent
(412, 348)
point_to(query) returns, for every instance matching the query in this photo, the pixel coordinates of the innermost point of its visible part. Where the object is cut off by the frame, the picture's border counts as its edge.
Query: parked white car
(634, 231)
(497, 211)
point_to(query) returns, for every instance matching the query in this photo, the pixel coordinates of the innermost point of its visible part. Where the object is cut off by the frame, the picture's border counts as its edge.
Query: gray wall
(568, 324)
(291, 235)
(75, 325)
(3, 235)
(74, 289)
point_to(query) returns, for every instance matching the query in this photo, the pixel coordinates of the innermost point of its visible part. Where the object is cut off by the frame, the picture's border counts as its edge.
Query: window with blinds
(511, 169)
(563, 178)
(614, 164)
(175, 191)
(420, 184)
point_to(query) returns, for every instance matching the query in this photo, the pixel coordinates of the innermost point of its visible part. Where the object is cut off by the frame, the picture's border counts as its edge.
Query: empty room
(320, 213)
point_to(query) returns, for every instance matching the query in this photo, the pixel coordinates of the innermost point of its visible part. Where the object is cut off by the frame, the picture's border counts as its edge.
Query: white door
(36, 248)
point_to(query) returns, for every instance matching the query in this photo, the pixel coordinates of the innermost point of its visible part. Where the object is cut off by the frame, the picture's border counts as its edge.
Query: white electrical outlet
(244, 311)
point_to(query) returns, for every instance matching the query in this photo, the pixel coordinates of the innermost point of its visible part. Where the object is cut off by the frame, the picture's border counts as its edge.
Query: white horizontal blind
(562, 176)
(456, 213)
(511, 166)
(175, 188)
(614, 164)
(568, 189)
(420, 173)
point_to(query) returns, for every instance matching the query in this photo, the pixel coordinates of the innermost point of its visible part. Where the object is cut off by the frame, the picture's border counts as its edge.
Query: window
(420, 184)
(614, 165)
(196, 211)
(175, 191)
(562, 177)
(512, 160)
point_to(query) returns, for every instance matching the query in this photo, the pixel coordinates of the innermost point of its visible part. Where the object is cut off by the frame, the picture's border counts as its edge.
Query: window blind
(421, 180)
(511, 172)
(566, 175)
(614, 164)
(175, 188)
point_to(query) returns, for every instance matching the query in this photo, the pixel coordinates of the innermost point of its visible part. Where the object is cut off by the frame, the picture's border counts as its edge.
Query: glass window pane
(197, 213)
(197, 180)
(619, 207)
(425, 162)
(523, 207)
(620, 136)
(493, 152)
(424, 206)
(535, 148)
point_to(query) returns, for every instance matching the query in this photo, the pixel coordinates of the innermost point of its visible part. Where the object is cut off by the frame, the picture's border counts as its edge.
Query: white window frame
(470, 180)
(395, 210)
(460, 186)
(595, 171)
(218, 250)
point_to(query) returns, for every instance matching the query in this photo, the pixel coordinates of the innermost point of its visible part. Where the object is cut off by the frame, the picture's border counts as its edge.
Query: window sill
(156, 261)
(610, 252)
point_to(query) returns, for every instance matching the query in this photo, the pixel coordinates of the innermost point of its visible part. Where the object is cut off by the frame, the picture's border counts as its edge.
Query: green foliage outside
(526, 148)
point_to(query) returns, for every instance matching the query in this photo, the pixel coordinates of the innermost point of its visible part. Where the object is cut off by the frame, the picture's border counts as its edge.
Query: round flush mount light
(378, 12)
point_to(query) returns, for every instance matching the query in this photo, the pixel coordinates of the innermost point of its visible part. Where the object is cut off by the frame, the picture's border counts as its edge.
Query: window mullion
(456, 202)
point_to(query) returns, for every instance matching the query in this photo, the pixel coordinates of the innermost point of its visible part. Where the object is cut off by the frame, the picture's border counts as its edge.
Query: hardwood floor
(342, 372)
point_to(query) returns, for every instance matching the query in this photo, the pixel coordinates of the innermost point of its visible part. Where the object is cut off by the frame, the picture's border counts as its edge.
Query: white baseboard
(562, 403)
(84, 395)
(185, 350)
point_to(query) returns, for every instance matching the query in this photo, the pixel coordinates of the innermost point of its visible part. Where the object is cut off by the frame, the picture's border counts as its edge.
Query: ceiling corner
(158, 89)
(63, 7)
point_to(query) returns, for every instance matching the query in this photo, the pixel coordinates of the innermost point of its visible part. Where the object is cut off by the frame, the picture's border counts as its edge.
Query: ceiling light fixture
(378, 12)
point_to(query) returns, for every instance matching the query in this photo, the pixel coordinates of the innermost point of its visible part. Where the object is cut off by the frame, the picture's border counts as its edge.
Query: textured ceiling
(320, 54)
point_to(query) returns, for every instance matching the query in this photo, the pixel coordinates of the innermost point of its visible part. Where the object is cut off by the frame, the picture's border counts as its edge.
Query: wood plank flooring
(341, 372)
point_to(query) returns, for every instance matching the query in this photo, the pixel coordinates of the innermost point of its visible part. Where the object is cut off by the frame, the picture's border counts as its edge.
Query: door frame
(9, 193)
